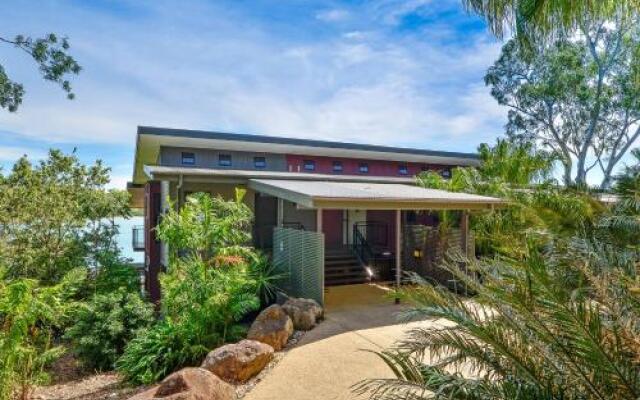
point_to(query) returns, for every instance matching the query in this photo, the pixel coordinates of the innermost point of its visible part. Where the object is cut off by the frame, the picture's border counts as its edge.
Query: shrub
(213, 282)
(105, 325)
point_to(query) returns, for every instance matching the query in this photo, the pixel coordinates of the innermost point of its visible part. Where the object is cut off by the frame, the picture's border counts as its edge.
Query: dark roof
(187, 133)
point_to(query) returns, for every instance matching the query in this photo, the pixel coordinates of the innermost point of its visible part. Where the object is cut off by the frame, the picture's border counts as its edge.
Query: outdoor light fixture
(369, 271)
(417, 253)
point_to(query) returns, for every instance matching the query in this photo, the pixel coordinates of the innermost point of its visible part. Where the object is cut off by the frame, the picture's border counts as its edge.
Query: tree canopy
(55, 64)
(579, 97)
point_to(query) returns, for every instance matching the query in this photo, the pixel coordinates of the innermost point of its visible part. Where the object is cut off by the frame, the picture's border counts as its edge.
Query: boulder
(304, 313)
(240, 361)
(272, 326)
(189, 384)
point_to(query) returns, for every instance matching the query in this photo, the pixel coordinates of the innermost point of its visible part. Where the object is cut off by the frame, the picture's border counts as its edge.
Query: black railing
(373, 250)
(137, 238)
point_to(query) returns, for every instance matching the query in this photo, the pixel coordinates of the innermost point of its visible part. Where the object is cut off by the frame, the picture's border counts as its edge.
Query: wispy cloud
(369, 73)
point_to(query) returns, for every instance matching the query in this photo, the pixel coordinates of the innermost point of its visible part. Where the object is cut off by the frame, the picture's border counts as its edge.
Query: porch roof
(365, 195)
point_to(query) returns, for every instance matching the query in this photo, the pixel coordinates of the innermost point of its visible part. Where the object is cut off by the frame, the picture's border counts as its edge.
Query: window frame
(403, 169)
(309, 163)
(338, 164)
(255, 162)
(363, 168)
(188, 155)
(222, 160)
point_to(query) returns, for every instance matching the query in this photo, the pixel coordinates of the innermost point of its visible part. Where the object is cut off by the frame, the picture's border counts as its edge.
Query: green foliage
(55, 64)
(29, 312)
(57, 215)
(527, 334)
(105, 325)
(627, 182)
(577, 97)
(213, 281)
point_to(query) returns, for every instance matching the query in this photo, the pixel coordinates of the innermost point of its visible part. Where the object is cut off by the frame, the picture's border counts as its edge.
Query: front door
(332, 228)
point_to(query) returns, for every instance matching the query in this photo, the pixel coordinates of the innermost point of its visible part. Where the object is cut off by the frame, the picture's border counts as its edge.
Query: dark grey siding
(208, 158)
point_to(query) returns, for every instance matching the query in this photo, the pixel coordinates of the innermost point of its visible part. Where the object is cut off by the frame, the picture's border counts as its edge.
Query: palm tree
(546, 19)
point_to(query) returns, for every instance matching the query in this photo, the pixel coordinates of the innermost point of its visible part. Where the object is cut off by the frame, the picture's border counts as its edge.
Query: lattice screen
(299, 255)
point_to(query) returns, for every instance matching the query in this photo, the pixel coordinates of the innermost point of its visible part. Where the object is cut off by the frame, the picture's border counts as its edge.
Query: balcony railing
(137, 238)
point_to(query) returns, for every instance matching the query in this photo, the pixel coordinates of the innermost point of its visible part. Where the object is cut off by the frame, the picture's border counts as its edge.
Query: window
(259, 162)
(309, 165)
(446, 173)
(224, 160)
(363, 168)
(188, 158)
(337, 166)
(403, 169)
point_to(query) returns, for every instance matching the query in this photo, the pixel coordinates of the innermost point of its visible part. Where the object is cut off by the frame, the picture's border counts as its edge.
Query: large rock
(304, 313)
(189, 384)
(240, 361)
(273, 327)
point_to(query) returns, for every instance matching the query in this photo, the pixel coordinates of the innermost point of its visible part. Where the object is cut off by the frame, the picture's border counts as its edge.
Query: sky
(391, 72)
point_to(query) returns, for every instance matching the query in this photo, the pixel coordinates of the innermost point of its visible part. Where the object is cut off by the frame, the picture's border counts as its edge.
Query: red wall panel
(351, 166)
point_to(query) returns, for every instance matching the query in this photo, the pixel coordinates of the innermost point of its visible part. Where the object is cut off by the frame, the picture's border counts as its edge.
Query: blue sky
(396, 72)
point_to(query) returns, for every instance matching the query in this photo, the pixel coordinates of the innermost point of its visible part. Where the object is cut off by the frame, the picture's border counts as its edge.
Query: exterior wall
(291, 214)
(226, 190)
(324, 165)
(208, 158)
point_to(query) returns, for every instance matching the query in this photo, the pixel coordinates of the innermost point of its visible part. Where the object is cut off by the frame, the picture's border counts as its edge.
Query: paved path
(329, 359)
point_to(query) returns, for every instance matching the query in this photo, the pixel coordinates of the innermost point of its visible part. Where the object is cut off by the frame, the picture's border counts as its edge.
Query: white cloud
(333, 15)
(10, 154)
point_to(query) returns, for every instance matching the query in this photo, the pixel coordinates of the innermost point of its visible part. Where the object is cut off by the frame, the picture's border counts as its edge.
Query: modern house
(334, 213)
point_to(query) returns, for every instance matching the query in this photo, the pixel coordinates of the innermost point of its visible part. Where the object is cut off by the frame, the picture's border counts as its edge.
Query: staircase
(341, 267)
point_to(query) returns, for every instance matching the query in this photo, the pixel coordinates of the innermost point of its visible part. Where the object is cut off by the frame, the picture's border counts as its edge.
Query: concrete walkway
(329, 359)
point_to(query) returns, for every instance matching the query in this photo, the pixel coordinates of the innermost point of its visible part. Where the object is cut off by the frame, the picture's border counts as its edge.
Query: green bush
(212, 283)
(105, 325)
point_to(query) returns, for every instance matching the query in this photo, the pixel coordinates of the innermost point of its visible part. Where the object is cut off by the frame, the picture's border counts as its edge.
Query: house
(331, 212)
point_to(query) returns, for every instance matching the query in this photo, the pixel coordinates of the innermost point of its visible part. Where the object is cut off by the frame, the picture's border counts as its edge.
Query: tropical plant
(30, 313)
(627, 182)
(527, 334)
(104, 326)
(214, 279)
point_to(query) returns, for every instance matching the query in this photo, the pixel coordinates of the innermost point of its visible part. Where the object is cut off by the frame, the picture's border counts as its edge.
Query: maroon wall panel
(387, 217)
(332, 228)
(151, 243)
(350, 166)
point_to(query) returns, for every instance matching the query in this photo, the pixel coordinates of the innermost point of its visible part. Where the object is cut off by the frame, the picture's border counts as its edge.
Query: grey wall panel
(208, 158)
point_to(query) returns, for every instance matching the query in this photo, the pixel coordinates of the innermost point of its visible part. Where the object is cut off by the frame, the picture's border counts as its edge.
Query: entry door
(332, 228)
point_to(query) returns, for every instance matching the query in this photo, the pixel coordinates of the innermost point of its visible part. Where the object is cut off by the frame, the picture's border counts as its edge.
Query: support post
(319, 220)
(464, 232)
(164, 208)
(280, 212)
(398, 251)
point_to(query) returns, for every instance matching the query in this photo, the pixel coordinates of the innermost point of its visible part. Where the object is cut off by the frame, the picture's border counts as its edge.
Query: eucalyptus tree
(51, 55)
(579, 97)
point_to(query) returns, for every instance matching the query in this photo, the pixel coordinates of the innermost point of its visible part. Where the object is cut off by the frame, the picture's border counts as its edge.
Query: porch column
(464, 232)
(319, 220)
(398, 251)
(280, 212)
(164, 208)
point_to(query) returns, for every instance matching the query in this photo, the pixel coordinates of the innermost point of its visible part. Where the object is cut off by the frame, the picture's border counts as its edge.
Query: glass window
(403, 169)
(188, 158)
(337, 166)
(445, 173)
(309, 165)
(259, 162)
(363, 168)
(224, 160)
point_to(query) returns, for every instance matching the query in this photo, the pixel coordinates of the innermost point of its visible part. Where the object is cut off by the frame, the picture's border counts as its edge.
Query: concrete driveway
(329, 359)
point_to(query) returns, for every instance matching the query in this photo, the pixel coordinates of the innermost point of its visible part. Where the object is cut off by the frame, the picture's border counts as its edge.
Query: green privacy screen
(299, 256)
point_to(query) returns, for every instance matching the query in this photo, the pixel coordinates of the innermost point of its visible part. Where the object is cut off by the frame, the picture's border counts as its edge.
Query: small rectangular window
(403, 169)
(363, 168)
(188, 158)
(259, 162)
(446, 173)
(337, 166)
(224, 160)
(309, 165)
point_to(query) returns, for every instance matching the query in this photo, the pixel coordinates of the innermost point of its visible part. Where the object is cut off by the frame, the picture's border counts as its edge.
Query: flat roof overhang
(243, 176)
(149, 140)
(371, 196)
